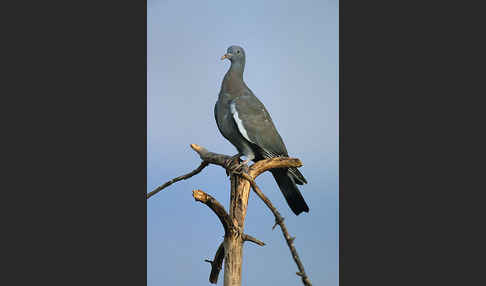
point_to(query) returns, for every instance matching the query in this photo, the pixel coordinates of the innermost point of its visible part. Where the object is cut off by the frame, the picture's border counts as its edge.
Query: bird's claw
(229, 164)
(233, 166)
(238, 168)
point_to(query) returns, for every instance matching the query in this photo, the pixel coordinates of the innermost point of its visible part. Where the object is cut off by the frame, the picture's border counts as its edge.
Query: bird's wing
(255, 125)
(216, 116)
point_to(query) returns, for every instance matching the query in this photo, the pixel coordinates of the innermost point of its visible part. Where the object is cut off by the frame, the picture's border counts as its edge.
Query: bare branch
(267, 164)
(247, 237)
(233, 222)
(216, 264)
(280, 221)
(216, 207)
(183, 177)
(255, 169)
(210, 157)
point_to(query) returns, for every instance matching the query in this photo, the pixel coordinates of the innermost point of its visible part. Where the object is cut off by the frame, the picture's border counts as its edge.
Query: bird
(245, 122)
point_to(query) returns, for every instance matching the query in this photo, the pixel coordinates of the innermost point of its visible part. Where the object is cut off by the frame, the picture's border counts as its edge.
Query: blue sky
(292, 67)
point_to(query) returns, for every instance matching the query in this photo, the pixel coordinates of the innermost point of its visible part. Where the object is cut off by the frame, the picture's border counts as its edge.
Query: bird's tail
(297, 176)
(290, 191)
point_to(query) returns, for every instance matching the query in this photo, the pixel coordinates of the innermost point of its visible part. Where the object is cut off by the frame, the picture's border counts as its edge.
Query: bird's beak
(226, 56)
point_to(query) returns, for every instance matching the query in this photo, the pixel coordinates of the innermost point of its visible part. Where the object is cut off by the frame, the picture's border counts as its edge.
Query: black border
(76, 152)
(407, 137)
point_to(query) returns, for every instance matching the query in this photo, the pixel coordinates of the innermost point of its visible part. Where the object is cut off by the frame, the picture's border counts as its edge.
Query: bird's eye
(238, 51)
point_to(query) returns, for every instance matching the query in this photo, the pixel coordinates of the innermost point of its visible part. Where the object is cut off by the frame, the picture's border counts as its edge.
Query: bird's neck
(234, 78)
(237, 69)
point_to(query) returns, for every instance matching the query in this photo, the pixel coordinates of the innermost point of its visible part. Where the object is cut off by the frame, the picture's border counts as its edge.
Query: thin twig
(280, 221)
(183, 177)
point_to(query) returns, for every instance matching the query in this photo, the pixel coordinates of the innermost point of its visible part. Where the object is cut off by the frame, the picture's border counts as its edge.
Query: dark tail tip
(290, 191)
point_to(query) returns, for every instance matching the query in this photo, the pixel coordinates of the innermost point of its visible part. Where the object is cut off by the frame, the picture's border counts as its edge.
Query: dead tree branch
(231, 249)
(219, 159)
(216, 264)
(183, 177)
(247, 237)
(267, 164)
(217, 208)
(280, 221)
(228, 225)
(210, 157)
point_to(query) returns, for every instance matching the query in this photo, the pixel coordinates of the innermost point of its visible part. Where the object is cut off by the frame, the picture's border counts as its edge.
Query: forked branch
(229, 226)
(233, 227)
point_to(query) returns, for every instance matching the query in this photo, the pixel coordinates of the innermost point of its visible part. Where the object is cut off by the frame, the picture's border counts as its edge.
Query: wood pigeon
(244, 121)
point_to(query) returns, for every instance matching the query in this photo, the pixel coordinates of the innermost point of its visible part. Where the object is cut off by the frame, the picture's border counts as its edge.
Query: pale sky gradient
(292, 67)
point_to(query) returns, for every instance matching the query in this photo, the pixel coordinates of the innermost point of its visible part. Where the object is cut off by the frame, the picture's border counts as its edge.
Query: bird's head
(234, 54)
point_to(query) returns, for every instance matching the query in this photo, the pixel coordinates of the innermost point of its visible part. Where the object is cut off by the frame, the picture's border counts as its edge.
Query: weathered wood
(267, 164)
(240, 191)
(247, 237)
(210, 157)
(231, 250)
(217, 208)
(279, 220)
(216, 264)
(233, 260)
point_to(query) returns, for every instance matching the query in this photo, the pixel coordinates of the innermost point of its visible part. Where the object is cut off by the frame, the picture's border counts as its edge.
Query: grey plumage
(244, 121)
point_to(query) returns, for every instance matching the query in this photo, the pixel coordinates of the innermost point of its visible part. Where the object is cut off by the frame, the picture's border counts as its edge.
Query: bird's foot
(239, 167)
(231, 162)
(233, 166)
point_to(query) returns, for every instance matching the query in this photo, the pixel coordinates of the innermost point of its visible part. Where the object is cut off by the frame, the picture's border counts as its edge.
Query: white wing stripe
(239, 123)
